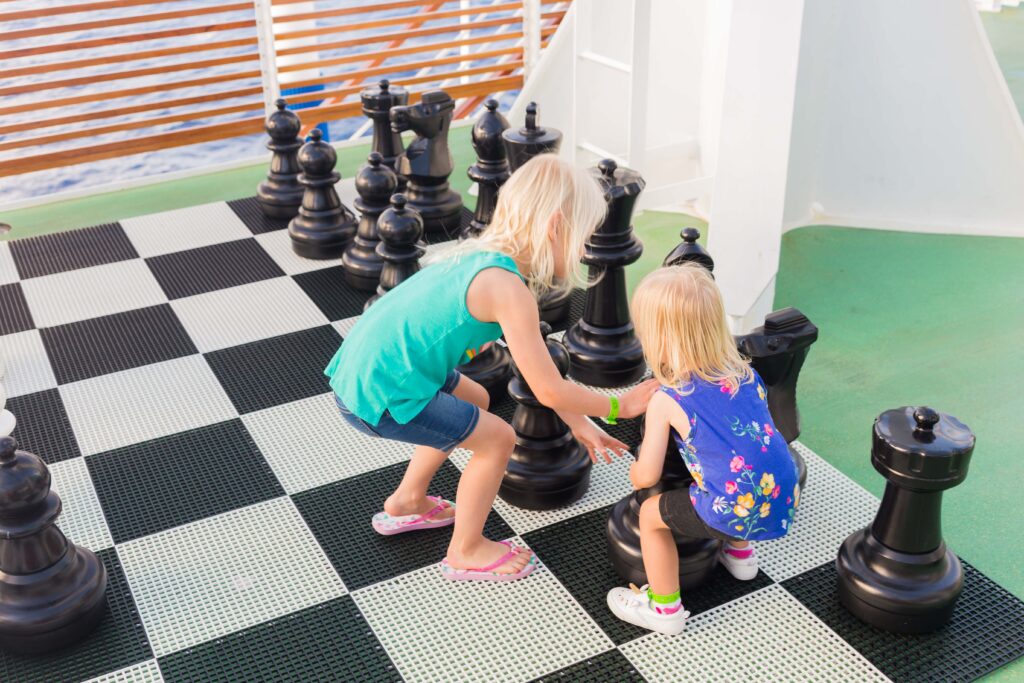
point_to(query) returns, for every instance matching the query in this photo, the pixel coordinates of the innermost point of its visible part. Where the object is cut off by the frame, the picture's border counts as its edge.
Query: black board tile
(15, 315)
(335, 298)
(218, 266)
(71, 250)
(249, 212)
(43, 426)
(607, 667)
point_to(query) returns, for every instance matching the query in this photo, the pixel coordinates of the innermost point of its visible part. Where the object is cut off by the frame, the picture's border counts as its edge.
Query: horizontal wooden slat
(126, 57)
(54, 29)
(127, 38)
(218, 131)
(51, 11)
(406, 34)
(407, 66)
(421, 17)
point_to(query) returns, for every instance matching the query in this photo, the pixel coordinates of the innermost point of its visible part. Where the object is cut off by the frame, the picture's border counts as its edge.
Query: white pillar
(531, 36)
(749, 196)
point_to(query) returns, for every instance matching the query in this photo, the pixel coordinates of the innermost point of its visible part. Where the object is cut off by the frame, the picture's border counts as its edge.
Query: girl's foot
(740, 562)
(439, 513)
(632, 605)
(489, 559)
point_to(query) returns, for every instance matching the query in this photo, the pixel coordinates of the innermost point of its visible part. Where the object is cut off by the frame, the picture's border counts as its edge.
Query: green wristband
(613, 412)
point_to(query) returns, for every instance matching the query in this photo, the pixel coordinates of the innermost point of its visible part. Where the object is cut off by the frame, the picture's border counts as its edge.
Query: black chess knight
(280, 195)
(400, 229)
(324, 226)
(375, 184)
(377, 101)
(427, 163)
(52, 592)
(491, 168)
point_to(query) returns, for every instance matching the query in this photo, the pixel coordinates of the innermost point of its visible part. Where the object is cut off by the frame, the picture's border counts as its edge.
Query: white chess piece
(7, 420)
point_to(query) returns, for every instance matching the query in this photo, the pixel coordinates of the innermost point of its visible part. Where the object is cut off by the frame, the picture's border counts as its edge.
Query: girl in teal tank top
(395, 374)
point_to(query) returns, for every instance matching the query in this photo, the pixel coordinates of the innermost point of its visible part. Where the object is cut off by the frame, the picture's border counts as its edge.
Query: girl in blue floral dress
(713, 406)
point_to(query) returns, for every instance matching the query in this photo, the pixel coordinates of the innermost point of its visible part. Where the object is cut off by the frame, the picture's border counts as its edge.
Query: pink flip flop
(487, 573)
(386, 525)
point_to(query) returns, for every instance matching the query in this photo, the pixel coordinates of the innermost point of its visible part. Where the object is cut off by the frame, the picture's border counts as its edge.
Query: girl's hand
(634, 402)
(596, 440)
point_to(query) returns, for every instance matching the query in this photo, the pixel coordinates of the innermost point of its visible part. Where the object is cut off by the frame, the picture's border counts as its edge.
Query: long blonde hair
(680, 319)
(542, 187)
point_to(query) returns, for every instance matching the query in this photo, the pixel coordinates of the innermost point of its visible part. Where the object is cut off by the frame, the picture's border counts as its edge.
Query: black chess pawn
(377, 101)
(777, 350)
(52, 592)
(491, 168)
(375, 184)
(490, 368)
(324, 226)
(524, 143)
(898, 574)
(603, 346)
(549, 468)
(400, 228)
(427, 163)
(689, 250)
(697, 556)
(280, 195)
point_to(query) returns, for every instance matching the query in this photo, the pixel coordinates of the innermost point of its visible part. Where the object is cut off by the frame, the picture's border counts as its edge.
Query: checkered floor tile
(169, 368)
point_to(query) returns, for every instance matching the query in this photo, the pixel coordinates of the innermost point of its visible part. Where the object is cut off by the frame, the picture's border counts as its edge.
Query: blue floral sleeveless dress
(744, 479)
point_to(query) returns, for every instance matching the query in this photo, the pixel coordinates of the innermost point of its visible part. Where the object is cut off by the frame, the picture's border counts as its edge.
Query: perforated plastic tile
(8, 271)
(328, 642)
(986, 632)
(218, 266)
(91, 293)
(607, 667)
(81, 518)
(14, 312)
(123, 408)
(63, 251)
(28, 367)
(118, 641)
(275, 371)
(504, 632)
(328, 290)
(308, 444)
(112, 343)
(238, 315)
(339, 515)
(345, 326)
(576, 551)
(609, 482)
(249, 212)
(159, 484)
(225, 573)
(43, 427)
(195, 226)
(764, 636)
(279, 245)
(146, 672)
(831, 508)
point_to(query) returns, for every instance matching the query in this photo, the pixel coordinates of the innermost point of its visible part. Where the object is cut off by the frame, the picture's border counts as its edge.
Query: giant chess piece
(777, 350)
(549, 468)
(490, 368)
(689, 251)
(603, 346)
(377, 101)
(491, 168)
(324, 226)
(51, 590)
(524, 143)
(280, 195)
(375, 184)
(697, 556)
(898, 574)
(400, 229)
(427, 163)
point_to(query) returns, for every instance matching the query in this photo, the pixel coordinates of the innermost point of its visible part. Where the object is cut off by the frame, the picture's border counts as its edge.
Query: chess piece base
(439, 206)
(554, 306)
(548, 479)
(492, 369)
(896, 591)
(363, 279)
(313, 244)
(604, 357)
(801, 467)
(276, 204)
(52, 608)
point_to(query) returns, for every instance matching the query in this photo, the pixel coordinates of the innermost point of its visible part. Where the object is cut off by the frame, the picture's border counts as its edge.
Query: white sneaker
(745, 569)
(633, 606)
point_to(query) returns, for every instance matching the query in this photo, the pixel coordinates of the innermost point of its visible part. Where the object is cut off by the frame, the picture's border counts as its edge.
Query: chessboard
(168, 368)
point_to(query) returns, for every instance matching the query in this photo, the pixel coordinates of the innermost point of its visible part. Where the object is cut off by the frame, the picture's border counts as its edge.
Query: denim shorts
(444, 423)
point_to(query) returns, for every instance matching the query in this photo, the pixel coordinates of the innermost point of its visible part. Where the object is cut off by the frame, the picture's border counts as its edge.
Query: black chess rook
(549, 468)
(280, 195)
(491, 168)
(897, 574)
(375, 183)
(603, 345)
(689, 251)
(324, 226)
(377, 101)
(400, 228)
(52, 592)
(427, 163)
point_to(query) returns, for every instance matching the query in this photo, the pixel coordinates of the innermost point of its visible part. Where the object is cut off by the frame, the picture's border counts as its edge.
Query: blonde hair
(680, 319)
(542, 187)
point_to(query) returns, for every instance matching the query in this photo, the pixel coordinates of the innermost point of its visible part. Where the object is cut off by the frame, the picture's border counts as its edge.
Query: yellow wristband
(613, 411)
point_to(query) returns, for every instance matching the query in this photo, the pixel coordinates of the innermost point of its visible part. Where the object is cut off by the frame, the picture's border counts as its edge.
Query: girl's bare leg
(661, 561)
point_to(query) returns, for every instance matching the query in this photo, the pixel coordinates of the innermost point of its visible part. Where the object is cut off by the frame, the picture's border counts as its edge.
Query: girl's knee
(650, 513)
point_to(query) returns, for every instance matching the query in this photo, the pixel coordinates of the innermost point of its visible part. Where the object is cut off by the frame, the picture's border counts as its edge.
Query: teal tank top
(402, 348)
